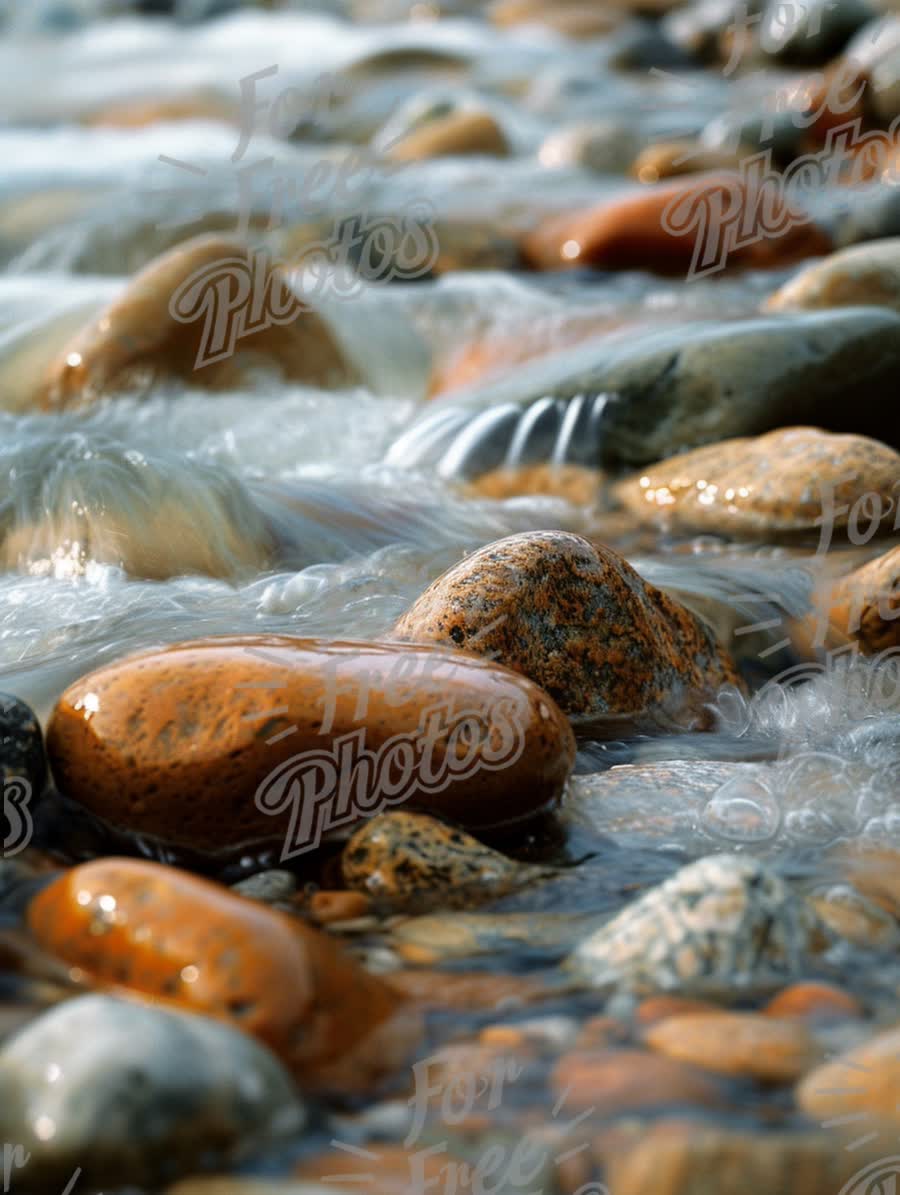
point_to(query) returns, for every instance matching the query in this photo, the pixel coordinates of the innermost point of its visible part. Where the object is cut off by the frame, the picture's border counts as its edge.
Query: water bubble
(742, 810)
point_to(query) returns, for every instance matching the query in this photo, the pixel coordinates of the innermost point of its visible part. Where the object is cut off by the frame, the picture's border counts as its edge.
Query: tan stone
(232, 310)
(738, 1043)
(863, 1081)
(783, 483)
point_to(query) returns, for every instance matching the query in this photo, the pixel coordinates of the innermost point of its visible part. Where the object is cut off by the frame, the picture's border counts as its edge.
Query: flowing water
(172, 512)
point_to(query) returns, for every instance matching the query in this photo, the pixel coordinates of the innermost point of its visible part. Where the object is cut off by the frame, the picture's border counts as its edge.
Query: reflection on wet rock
(723, 924)
(577, 619)
(787, 482)
(118, 1092)
(192, 944)
(207, 744)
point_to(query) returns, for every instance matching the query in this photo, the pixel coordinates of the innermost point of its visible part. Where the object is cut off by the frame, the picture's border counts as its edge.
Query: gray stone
(678, 387)
(127, 1093)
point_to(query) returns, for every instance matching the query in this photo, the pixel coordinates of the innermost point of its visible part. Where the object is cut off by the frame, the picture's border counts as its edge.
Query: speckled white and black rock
(124, 1092)
(724, 924)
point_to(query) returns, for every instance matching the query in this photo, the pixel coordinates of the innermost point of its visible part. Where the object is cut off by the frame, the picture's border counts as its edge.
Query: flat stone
(738, 1043)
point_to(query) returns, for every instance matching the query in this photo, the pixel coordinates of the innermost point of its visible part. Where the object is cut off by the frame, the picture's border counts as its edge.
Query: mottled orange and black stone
(578, 620)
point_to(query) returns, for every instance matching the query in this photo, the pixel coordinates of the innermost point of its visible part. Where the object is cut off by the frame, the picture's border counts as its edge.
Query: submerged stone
(724, 925)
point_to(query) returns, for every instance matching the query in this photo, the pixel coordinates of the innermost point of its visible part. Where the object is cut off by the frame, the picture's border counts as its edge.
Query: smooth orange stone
(813, 1002)
(455, 135)
(738, 1043)
(232, 308)
(635, 230)
(659, 1008)
(670, 159)
(328, 907)
(615, 1082)
(211, 744)
(180, 940)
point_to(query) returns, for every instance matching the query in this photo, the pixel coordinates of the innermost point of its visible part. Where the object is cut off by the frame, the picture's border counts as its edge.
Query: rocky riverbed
(450, 597)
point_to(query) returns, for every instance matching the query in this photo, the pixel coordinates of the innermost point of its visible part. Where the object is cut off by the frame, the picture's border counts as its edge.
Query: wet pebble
(410, 862)
(661, 228)
(857, 1091)
(684, 1157)
(772, 485)
(578, 620)
(138, 336)
(814, 1003)
(865, 275)
(722, 926)
(235, 722)
(457, 133)
(190, 943)
(270, 887)
(862, 607)
(741, 1043)
(616, 1082)
(127, 1093)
